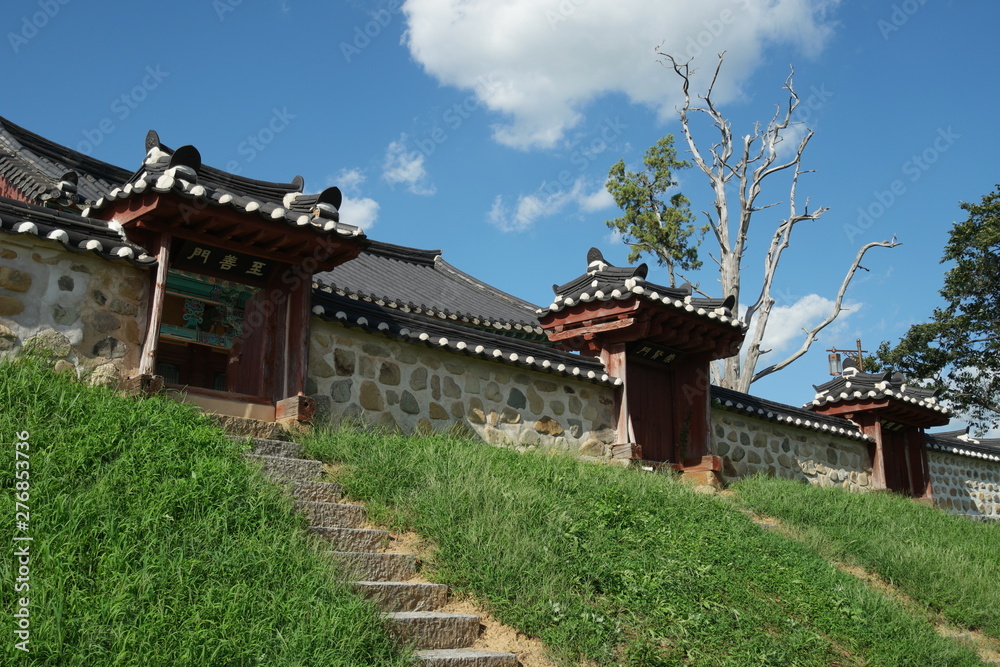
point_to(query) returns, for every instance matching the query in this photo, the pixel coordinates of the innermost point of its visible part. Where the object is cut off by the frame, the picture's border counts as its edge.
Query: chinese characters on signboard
(194, 256)
(650, 352)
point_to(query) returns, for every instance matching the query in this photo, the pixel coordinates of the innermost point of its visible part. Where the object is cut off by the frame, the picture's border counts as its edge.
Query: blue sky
(487, 128)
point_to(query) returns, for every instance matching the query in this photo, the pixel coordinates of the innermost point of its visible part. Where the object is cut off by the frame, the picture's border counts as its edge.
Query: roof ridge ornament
(328, 204)
(152, 140)
(185, 163)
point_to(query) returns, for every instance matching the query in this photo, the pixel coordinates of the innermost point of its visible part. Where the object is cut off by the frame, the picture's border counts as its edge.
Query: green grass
(948, 563)
(155, 544)
(616, 567)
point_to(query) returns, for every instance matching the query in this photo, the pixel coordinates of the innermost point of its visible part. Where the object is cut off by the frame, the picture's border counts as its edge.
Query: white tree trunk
(740, 170)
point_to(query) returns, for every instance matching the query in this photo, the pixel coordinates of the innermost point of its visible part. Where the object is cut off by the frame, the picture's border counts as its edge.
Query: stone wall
(415, 388)
(749, 445)
(85, 309)
(964, 485)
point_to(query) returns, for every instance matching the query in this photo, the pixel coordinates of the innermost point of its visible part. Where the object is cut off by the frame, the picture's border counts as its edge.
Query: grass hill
(617, 567)
(153, 543)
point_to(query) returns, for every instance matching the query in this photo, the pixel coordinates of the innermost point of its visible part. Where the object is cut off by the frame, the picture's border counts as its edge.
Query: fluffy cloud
(545, 202)
(406, 167)
(355, 209)
(539, 62)
(787, 321)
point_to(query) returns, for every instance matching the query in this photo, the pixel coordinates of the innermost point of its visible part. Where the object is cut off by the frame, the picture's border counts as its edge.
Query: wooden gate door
(668, 406)
(651, 411)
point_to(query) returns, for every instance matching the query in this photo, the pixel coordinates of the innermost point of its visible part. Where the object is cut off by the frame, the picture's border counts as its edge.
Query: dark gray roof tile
(416, 280)
(74, 232)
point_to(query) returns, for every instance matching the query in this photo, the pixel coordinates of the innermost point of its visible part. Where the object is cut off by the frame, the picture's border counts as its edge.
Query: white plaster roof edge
(479, 350)
(267, 210)
(428, 310)
(789, 420)
(638, 290)
(958, 451)
(123, 252)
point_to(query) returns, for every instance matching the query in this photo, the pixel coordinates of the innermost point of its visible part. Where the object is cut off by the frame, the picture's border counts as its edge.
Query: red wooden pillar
(297, 344)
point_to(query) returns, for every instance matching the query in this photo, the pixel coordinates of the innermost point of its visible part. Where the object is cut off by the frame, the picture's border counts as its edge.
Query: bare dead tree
(739, 168)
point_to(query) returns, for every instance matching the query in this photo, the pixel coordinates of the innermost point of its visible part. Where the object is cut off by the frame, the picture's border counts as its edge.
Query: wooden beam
(595, 328)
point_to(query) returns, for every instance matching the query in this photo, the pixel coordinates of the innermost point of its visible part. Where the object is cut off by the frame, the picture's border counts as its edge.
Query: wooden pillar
(613, 358)
(147, 361)
(920, 473)
(873, 429)
(297, 335)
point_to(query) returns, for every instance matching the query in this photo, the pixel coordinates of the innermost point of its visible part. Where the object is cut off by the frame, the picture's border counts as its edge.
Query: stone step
(375, 566)
(321, 492)
(464, 657)
(352, 539)
(267, 447)
(433, 629)
(333, 515)
(282, 468)
(403, 595)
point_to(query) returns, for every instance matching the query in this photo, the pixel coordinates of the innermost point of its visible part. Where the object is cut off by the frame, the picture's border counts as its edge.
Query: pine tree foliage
(655, 221)
(959, 348)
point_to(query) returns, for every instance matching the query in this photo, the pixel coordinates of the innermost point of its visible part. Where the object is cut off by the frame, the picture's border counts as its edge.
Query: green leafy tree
(656, 222)
(959, 348)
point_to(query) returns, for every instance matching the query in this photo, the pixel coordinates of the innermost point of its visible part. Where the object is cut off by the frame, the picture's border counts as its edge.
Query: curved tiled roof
(487, 345)
(961, 444)
(739, 402)
(74, 232)
(855, 385)
(37, 166)
(420, 281)
(604, 282)
(180, 172)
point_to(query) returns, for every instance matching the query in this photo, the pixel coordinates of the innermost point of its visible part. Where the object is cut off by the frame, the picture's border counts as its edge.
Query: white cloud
(787, 321)
(402, 166)
(348, 180)
(549, 200)
(597, 201)
(355, 209)
(539, 62)
(360, 212)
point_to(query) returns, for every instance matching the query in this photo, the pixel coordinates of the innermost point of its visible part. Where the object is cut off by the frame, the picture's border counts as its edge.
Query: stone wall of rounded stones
(748, 446)
(963, 485)
(86, 310)
(354, 375)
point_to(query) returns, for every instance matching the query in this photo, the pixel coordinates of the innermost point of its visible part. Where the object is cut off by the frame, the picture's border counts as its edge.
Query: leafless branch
(835, 311)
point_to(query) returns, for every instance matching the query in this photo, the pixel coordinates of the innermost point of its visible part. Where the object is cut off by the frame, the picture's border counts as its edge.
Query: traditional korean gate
(669, 413)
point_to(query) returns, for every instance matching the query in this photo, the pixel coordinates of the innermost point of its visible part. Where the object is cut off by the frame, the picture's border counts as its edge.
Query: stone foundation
(415, 388)
(84, 309)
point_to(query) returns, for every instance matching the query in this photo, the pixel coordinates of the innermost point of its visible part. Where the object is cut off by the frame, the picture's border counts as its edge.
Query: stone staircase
(408, 607)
